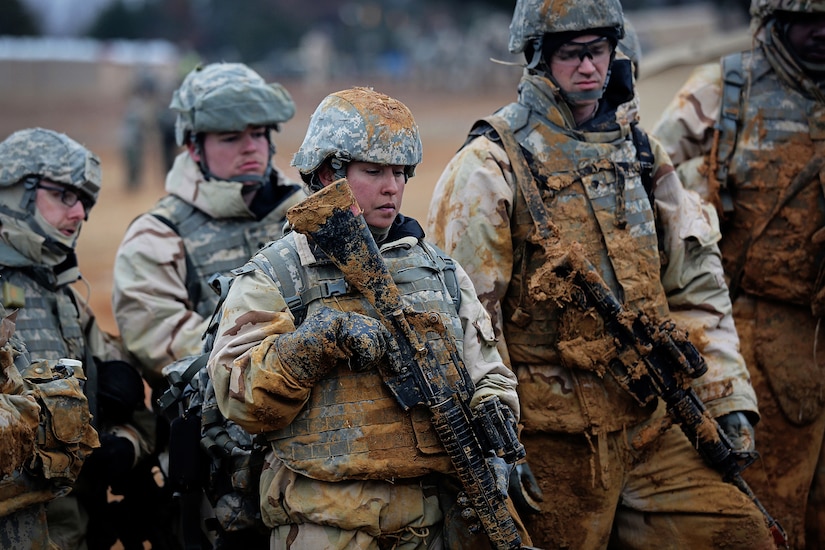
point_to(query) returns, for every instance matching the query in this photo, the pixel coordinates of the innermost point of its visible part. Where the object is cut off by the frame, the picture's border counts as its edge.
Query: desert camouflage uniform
(600, 460)
(161, 297)
(218, 232)
(397, 482)
(775, 268)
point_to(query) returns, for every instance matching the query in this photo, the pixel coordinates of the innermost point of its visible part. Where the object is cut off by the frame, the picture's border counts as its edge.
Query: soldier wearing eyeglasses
(48, 185)
(610, 471)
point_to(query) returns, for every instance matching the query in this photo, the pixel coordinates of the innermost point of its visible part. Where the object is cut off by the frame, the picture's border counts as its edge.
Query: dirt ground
(443, 117)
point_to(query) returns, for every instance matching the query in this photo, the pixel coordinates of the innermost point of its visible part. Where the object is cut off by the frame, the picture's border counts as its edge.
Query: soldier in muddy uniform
(298, 352)
(48, 185)
(37, 399)
(226, 199)
(746, 133)
(611, 471)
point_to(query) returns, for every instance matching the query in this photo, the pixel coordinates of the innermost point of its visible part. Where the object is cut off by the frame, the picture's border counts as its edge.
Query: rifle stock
(331, 220)
(659, 361)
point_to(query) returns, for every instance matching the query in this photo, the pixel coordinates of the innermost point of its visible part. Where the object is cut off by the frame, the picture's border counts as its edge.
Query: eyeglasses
(573, 53)
(69, 197)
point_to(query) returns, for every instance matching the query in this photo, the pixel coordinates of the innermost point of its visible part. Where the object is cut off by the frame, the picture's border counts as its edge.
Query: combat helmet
(33, 154)
(359, 124)
(227, 97)
(765, 9)
(532, 19)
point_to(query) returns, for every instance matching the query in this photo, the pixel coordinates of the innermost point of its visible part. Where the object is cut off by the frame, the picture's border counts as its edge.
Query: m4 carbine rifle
(331, 220)
(657, 361)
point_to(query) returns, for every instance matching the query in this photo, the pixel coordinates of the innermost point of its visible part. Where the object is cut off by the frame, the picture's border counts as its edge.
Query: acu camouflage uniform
(603, 463)
(347, 466)
(748, 133)
(37, 266)
(45, 437)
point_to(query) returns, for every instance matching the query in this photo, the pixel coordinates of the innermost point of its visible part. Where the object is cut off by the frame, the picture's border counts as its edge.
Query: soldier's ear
(326, 174)
(193, 151)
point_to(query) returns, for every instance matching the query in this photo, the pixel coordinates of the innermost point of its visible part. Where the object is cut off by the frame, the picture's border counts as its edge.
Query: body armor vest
(49, 321)
(780, 131)
(593, 192)
(216, 245)
(352, 427)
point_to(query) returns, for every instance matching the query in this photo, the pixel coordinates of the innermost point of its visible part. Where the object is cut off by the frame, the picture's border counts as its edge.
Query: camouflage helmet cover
(50, 155)
(363, 125)
(533, 18)
(228, 97)
(764, 9)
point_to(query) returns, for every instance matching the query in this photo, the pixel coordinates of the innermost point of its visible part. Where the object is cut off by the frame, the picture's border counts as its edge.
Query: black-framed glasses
(573, 53)
(69, 197)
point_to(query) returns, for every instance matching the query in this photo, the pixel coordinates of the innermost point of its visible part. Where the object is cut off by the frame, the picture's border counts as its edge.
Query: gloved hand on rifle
(330, 336)
(739, 431)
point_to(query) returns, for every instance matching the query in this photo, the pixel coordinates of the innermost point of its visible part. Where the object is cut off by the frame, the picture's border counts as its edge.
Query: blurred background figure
(140, 124)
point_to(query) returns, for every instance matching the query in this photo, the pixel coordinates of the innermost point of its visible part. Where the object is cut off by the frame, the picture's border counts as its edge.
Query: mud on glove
(524, 489)
(329, 336)
(739, 430)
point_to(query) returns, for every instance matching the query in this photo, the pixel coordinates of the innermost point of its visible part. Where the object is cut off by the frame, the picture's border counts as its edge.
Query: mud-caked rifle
(656, 360)
(414, 374)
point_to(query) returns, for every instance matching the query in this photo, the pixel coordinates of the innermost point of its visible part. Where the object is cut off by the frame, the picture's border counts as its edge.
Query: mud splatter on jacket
(782, 129)
(254, 390)
(477, 215)
(218, 232)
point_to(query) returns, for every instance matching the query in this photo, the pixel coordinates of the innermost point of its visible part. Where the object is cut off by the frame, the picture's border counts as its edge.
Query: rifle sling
(524, 177)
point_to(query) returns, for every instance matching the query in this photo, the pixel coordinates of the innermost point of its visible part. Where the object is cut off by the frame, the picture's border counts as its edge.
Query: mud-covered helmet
(36, 153)
(359, 124)
(532, 19)
(765, 9)
(227, 97)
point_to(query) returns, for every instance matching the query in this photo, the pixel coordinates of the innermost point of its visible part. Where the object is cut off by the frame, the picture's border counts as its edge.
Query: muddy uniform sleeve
(19, 416)
(697, 293)
(685, 128)
(469, 218)
(251, 386)
(481, 357)
(150, 300)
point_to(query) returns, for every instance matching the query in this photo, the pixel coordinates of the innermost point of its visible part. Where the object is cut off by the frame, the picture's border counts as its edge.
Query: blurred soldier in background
(45, 399)
(225, 200)
(747, 133)
(611, 471)
(138, 127)
(48, 185)
(282, 380)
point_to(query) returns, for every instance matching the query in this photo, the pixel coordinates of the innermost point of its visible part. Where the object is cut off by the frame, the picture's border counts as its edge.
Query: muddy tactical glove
(524, 489)
(739, 430)
(501, 470)
(330, 336)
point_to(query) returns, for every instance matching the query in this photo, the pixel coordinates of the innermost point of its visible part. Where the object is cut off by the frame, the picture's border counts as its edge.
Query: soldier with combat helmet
(298, 351)
(745, 132)
(612, 472)
(48, 185)
(225, 199)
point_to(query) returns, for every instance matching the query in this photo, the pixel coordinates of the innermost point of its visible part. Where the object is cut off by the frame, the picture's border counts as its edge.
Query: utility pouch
(65, 435)
(185, 456)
